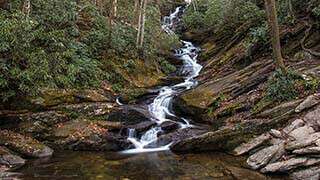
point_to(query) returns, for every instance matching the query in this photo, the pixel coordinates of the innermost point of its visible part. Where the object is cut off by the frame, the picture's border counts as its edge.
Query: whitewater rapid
(160, 107)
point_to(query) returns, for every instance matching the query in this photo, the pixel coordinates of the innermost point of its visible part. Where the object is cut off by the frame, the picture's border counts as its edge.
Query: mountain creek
(208, 120)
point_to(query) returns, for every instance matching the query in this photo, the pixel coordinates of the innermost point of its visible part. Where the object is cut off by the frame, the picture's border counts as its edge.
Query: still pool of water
(159, 165)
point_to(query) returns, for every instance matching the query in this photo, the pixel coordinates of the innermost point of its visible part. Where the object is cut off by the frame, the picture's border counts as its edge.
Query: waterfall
(160, 107)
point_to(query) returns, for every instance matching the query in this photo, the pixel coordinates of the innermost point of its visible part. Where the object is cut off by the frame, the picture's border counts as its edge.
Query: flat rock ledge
(24, 145)
(294, 149)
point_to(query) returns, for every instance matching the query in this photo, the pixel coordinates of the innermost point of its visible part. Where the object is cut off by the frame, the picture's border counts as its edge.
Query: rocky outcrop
(24, 144)
(309, 102)
(294, 149)
(252, 144)
(310, 173)
(130, 114)
(265, 156)
(82, 134)
(9, 160)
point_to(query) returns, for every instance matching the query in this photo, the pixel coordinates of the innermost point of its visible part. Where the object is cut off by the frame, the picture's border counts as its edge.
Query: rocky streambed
(44, 141)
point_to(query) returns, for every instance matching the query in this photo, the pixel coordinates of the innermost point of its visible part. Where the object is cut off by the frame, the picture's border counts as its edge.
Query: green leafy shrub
(316, 12)
(284, 87)
(43, 50)
(224, 14)
(167, 67)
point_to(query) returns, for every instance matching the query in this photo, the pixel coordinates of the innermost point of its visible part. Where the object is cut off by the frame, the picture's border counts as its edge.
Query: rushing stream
(160, 107)
(156, 165)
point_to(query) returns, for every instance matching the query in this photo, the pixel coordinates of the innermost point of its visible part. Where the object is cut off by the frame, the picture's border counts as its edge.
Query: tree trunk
(111, 18)
(26, 8)
(275, 35)
(136, 12)
(4, 4)
(141, 24)
(115, 8)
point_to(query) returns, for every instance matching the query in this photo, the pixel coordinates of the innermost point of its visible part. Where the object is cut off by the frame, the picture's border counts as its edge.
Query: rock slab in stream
(82, 134)
(10, 160)
(24, 144)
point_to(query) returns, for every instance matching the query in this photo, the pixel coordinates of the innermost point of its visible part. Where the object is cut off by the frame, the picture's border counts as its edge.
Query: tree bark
(141, 24)
(136, 12)
(275, 34)
(111, 18)
(26, 8)
(4, 4)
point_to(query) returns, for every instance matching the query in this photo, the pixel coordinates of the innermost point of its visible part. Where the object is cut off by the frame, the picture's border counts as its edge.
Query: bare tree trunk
(141, 24)
(26, 8)
(275, 34)
(115, 8)
(111, 18)
(136, 12)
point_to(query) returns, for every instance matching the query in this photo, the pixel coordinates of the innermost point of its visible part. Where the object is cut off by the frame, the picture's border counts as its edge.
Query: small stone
(275, 133)
(309, 102)
(244, 148)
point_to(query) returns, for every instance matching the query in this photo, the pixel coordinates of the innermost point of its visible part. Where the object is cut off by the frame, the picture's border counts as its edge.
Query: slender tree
(112, 13)
(141, 24)
(136, 12)
(275, 34)
(26, 8)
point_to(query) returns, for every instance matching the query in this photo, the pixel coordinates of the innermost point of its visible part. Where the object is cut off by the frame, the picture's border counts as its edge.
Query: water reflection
(160, 165)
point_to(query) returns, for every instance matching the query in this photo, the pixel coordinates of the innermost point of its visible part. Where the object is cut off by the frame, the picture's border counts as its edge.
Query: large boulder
(82, 134)
(130, 115)
(24, 144)
(228, 137)
(9, 159)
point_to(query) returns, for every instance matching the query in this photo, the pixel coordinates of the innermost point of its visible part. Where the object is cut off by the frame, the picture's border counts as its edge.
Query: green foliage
(167, 67)
(224, 14)
(316, 12)
(284, 87)
(259, 34)
(63, 44)
(281, 87)
(43, 50)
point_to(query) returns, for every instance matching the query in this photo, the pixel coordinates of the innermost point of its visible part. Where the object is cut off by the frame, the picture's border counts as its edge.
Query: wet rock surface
(82, 134)
(10, 160)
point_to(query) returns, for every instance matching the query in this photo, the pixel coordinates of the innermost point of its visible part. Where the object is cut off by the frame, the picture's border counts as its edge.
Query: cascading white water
(160, 107)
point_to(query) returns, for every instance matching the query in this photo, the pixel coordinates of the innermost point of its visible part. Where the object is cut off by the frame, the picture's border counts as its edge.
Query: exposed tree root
(302, 42)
